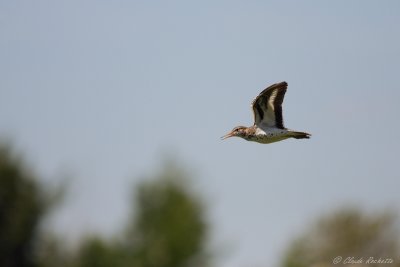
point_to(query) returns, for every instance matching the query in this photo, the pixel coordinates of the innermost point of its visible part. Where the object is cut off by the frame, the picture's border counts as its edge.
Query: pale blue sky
(101, 90)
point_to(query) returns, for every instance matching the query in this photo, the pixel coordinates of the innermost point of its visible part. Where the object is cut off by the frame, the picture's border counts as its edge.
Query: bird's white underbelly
(270, 135)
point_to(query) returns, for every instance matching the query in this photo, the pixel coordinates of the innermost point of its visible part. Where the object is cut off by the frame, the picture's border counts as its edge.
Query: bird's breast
(266, 136)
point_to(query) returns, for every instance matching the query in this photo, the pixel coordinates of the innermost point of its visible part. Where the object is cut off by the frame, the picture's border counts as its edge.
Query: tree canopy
(22, 205)
(348, 236)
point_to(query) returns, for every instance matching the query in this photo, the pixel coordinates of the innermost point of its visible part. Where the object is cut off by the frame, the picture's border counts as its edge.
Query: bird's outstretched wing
(267, 106)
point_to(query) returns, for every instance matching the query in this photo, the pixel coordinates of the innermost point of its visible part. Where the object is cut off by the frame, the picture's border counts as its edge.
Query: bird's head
(239, 131)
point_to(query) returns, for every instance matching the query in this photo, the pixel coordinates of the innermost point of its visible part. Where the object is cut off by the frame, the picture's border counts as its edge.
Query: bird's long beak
(227, 136)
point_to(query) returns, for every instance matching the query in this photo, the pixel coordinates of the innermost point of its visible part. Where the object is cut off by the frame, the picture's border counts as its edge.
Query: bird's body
(268, 120)
(267, 135)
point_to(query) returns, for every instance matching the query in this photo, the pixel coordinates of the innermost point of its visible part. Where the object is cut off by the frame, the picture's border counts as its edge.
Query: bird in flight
(268, 120)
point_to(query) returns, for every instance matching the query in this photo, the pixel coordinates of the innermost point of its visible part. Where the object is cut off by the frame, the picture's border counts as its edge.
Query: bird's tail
(300, 135)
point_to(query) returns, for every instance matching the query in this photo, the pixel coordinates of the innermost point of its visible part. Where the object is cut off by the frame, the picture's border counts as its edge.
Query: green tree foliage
(21, 208)
(168, 227)
(98, 253)
(351, 235)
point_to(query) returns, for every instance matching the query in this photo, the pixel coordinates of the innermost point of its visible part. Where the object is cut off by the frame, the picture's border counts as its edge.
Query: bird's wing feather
(267, 106)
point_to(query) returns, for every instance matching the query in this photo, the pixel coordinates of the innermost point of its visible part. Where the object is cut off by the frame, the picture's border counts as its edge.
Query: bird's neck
(251, 130)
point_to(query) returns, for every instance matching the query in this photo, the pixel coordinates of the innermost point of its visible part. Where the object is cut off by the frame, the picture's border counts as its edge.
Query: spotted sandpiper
(268, 120)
